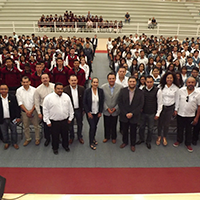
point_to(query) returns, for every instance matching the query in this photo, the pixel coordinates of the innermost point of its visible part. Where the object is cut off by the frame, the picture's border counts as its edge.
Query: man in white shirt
(58, 114)
(25, 98)
(189, 102)
(121, 78)
(40, 93)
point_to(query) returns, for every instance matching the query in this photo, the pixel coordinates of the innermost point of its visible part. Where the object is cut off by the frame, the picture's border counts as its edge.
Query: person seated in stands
(115, 26)
(66, 14)
(120, 25)
(89, 25)
(88, 16)
(127, 17)
(149, 23)
(110, 25)
(154, 23)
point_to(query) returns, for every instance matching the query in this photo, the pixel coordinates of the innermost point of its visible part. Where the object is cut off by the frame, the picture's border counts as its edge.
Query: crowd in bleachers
(33, 56)
(70, 22)
(142, 55)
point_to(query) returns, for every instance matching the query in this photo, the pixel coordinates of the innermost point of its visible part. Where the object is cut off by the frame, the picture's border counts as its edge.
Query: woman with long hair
(169, 88)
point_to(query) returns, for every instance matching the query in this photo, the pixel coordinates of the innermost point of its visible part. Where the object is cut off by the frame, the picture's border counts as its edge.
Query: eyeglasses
(187, 98)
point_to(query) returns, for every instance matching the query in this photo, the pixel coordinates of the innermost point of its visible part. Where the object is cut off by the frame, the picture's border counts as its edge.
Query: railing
(161, 29)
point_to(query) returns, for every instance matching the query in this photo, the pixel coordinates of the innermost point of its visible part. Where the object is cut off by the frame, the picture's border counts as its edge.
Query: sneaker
(176, 144)
(190, 149)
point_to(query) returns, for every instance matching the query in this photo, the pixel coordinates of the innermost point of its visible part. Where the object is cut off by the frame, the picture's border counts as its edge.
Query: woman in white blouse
(169, 89)
(86, 68)
(93, 105)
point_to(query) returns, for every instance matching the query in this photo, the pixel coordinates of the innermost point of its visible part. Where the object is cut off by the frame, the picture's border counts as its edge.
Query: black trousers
(196, 131)
(110, 127)
(79, 119)
(133, 131)
(184, 123)
(57, 128)
(47, 130)
(164, 120)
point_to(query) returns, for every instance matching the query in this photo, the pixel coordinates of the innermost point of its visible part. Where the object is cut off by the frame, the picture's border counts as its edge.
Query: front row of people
(58, 107)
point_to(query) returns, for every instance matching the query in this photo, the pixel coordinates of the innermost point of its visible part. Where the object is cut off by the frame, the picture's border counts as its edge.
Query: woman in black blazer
(93, 105)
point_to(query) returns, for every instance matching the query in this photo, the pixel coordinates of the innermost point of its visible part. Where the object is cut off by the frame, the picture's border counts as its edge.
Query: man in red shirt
(36, 76)
(80, 73)
(71, 58)
(10, 75)
(60, 73)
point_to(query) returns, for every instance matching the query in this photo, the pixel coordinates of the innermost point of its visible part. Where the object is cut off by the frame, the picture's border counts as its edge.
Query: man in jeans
(9, 116)
(151, 110)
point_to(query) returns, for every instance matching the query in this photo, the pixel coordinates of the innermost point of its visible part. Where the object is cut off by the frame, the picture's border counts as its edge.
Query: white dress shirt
(75, 96)
(26, 97)
(86, 69)
(40, 93)
(188, 104)
(5, 105)
(124, 83)
(57, 108)
(95, 102)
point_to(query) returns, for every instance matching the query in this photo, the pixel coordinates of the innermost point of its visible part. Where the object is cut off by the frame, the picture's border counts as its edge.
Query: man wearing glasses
(189, 102)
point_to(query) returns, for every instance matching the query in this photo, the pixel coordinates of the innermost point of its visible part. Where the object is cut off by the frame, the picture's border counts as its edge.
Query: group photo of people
(152, 81)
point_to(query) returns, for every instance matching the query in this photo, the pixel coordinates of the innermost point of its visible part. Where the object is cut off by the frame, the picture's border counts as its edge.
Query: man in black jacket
(9, 117)
(130, 102)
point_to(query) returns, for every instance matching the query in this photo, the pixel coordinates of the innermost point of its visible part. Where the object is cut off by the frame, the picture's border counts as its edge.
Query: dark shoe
(55, 152)
(139, 142)
(148, 145)
(6, 146)
(105, 140)
(132, 148)
(16, 146)
(93, 147)
(194, 142)
(122, 145)
(95, 142)
(71, 141)
(114, 141)
(81, 141)
(46, 143)
(67, 149)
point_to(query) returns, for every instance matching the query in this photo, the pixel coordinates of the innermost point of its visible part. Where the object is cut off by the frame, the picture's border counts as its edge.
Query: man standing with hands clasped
(189, 102)
(58, 114)
(130, 102)
(111, 109)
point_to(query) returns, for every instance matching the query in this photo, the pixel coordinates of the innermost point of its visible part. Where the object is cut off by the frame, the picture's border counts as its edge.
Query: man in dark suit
(94, 42)
(9, 117)
(76, 93)
(130, 102)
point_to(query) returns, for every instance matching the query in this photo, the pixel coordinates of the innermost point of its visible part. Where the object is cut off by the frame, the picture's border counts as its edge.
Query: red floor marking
(101, 180)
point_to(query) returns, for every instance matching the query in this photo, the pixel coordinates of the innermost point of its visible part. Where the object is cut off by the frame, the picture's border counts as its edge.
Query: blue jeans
(13, 128)
(149, 120)
(93, 127)
(127, 20)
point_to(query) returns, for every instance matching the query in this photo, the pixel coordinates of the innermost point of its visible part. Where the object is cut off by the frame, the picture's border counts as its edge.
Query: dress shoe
(122, 145)
(6, 146)
(132, 148)
(71, 141)
(105, 140)
(81, 141)
(16, 146)
(46, 143)
(26, 142)
(164, 141)
(139, 142)
(158, 140)
(55, 152)
(114, 141)
(148, 145)
(37, 142)
(67, 149)
(194, 142)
